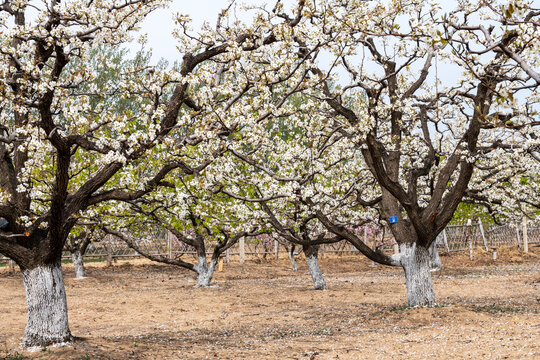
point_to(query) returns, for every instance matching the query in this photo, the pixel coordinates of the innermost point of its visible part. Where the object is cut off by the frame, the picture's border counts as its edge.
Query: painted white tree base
(315, 272)
(47, 307)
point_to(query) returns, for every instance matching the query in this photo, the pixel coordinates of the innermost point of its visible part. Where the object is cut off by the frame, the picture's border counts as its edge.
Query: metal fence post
(482, 233)
(470, 239)
(525, 235)
(109, 255)
(242, 243)
(445, 240)
(518, 240)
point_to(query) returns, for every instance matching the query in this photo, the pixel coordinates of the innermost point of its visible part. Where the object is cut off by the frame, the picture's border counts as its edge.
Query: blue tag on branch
(393, 219)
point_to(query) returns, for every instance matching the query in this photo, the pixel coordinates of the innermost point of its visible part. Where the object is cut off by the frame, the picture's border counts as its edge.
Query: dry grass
(262, 310)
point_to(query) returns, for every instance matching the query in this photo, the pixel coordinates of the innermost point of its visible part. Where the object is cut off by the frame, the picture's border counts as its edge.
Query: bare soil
(263, 310)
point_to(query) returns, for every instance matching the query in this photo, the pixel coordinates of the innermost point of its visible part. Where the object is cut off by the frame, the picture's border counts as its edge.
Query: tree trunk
(435, 260)
(205, 272)
(109, 255)
(292, 259)
(416, 261)
(78, 264)
(312, 261)
(47, 306)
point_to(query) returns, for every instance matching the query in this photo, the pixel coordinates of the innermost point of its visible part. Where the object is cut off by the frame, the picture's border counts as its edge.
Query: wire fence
(453, 238)
(462, 237)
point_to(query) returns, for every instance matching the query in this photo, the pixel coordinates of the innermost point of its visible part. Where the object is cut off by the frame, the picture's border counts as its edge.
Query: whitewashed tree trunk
(205, 272)
(435, 260)
(47, 306)
(417, 263)
(292, 259)
(78, 264)
(312, 261)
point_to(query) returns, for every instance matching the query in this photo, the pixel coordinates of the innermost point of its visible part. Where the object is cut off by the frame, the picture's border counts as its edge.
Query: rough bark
(416, 261)
(78, 264)
(205, 272)
(312, 262)
(47, 306)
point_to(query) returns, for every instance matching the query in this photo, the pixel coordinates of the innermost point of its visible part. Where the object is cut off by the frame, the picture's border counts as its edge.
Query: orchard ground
(263, 310)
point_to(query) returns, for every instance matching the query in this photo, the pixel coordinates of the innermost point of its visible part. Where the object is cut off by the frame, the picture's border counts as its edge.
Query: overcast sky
(159, 25)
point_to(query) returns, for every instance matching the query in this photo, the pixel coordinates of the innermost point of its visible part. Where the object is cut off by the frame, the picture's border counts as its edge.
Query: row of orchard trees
(305, 122)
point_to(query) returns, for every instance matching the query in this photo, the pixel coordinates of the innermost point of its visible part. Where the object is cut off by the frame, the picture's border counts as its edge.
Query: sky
(159, 25)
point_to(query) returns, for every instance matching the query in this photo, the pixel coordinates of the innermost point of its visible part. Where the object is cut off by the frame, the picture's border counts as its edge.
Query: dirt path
(263, 310)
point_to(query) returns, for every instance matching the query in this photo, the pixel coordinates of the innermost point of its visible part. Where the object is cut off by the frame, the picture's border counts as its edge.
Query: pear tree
(48, 116)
